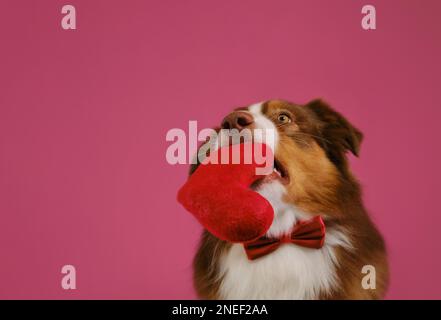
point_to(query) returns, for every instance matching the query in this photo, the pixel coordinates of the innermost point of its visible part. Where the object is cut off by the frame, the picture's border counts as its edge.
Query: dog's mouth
(280, 170)
(279, 174)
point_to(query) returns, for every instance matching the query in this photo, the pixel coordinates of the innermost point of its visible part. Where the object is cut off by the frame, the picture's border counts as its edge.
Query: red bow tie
(310, 234)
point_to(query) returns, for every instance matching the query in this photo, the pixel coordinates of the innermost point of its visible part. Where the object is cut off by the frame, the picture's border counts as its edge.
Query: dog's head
(311, 143)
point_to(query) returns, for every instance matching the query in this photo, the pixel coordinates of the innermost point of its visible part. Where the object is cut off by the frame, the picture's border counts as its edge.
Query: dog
(314, 180)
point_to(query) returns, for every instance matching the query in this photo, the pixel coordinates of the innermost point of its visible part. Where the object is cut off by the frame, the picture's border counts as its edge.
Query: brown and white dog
(310, 155)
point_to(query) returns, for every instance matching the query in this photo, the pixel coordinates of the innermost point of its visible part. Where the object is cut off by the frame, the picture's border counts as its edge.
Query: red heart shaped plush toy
(220, 197)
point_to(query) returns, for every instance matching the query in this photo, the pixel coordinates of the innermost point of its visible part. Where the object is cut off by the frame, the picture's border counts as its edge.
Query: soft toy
(220, 197)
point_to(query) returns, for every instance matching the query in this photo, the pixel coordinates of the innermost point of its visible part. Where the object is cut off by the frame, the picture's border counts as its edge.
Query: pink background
(84, 113)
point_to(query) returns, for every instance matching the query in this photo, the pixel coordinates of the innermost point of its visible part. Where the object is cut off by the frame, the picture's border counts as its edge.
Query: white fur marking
(262, 122)
(285, 215)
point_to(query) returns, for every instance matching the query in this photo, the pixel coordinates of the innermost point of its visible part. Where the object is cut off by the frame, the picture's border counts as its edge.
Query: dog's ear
(335, 128)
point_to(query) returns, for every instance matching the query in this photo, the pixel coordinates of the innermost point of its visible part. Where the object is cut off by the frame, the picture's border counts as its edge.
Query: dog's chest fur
(291, 272)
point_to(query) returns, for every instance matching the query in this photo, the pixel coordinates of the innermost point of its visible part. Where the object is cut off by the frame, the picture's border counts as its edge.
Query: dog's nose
(238, 120)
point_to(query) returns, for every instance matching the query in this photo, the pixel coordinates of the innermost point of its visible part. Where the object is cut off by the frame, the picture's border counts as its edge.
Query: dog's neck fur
(291, 272)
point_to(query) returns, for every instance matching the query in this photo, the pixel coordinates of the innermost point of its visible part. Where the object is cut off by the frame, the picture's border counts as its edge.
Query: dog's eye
(283, 118)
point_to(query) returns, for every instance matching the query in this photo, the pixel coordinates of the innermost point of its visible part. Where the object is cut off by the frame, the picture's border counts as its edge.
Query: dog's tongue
(219, 195)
